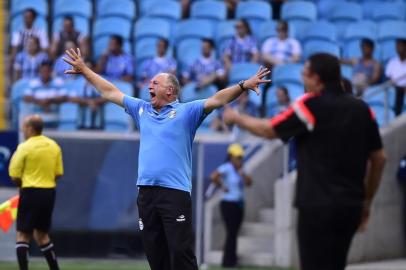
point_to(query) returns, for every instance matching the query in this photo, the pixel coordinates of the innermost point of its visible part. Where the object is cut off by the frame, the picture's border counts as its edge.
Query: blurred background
(208, 44)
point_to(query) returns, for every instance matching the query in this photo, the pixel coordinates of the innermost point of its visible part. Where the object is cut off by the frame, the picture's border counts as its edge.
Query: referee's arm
(59, 165)
(108, 90)
(16, 166)
(227, 95)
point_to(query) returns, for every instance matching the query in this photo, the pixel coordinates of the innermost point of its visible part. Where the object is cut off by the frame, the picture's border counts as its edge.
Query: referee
(34, 167)
(336, 136)
(167, 129)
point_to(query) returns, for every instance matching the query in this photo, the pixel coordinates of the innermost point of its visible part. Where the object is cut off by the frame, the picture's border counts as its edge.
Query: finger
(70, 71)
(71, 56)
(256, 89)
(259, 70)
(67, 60)
(75, 56)
(265, 81)
(79, 53)
(264, 72)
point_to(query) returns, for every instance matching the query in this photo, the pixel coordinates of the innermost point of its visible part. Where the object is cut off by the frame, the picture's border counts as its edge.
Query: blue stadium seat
(17, 23)
(288, 73)
(115, 119)
(266, 30)
(19, 6)
(124, 87)
(324, 8)
(144, 94)
(313, 47)
(189, 92)
(210, 9)
(151, 27)
(388, 11)
(168, 10)
(204, 127)
(17, 93)
(225, 31)
(100, 45)
(374, 98)
(380, 115)
(112, 26)
(81, 24)
(255, 12)
(242, 71)
(194, 28)
(144, 49)
(68, 116)
(188, 51)
(346, 71)
(320, 30)
(344, 13)
(352, 49)
(66, 7)
(295, 90)
(299, 14)
(388, 32)
(361, 29)
(117, 8)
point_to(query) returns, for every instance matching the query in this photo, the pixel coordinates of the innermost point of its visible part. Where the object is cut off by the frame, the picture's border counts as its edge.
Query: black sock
(22, 254)
(49, 253)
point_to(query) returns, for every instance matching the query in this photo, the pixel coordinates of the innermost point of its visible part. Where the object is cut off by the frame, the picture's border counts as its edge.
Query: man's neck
(402, 57)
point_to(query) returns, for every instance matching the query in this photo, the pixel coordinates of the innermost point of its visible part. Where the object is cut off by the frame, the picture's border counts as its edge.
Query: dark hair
(246, 25)
(284, 25)
(36, 123)
(284, 90)
(347, 85)
(118, 39)
(367, 42)
(210, 41)
(33, 12)
(327, 67)
(165, 41)
(69, 18)
(46, 63)
(401, 41)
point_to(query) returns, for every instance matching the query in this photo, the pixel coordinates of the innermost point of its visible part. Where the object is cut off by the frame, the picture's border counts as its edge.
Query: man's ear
(169, 90)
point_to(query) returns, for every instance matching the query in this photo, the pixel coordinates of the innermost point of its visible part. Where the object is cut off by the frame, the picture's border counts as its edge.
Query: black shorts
(35, 209)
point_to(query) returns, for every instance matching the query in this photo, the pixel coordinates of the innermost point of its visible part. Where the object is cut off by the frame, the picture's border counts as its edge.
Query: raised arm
(227, 95)
(106, 88)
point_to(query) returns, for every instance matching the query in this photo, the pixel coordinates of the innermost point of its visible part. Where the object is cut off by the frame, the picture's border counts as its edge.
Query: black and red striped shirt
(334, 134)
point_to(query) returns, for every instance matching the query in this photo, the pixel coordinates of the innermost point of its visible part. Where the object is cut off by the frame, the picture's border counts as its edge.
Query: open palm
(75, 60)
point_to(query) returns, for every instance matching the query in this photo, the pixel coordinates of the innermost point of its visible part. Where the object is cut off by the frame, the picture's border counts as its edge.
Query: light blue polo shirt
(233, 181)
(166, 139)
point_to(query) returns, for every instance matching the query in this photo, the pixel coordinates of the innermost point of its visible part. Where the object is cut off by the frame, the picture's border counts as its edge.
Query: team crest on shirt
(140, 111)
(140, 224)
(172, 114)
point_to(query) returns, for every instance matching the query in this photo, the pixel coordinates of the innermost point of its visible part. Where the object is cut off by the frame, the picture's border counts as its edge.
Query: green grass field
(102, 265)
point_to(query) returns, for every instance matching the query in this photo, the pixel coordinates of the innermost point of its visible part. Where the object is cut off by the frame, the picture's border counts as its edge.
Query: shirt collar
(173, 104)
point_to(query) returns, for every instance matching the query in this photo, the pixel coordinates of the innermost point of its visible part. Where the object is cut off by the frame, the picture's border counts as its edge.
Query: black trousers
(400, 96)
(166, 228)
(325, 235)
(232, 213)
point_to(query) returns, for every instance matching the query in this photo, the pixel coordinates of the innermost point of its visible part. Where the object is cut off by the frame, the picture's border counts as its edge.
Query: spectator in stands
(162, 63)
(396, 72)
(68, 33)
(207, 69)
(89, 99)
(231, 178)
(242, 47)
(242, 104)
(281, 49)
(115, 63)
(27, 62)
(276, 8)
(60, 66)
(283, 100)
(367, 70)
(19, 39)
(231, 6)
(45, 93)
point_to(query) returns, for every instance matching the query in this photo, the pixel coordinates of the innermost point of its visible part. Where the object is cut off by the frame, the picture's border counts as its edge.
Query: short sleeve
(196, 112)
(388, 69)
(266, 47)
(16, 166)
(375, 140)
(296, 49)
(287, 125)
(222, 169)
(59, 163)
(254, 48)
(15, 39)
(134, 107)
(43, 37)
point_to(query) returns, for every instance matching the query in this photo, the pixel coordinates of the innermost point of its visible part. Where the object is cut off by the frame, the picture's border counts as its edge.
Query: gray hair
(173, 81)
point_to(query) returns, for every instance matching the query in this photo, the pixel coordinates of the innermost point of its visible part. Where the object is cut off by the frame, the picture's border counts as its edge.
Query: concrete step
(253, 244)
(399, 264)
(253, 259)
(257, 229)
(266, 215)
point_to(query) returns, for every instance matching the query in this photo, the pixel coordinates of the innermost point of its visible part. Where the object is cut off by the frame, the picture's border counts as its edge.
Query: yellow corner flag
(8, 213)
